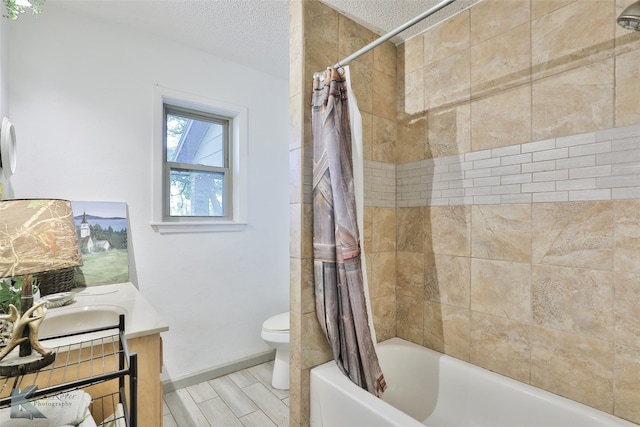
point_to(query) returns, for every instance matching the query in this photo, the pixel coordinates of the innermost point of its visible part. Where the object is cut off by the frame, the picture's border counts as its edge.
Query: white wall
(4, 96)
(80, 94)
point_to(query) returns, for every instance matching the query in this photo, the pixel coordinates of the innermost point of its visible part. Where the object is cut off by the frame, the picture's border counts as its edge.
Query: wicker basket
(52, 282)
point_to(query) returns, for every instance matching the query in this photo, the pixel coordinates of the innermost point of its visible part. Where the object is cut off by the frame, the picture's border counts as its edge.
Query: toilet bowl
(275, 332)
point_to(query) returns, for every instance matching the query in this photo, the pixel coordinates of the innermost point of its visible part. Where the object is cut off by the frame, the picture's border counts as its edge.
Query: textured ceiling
(254, 33)
(383, 16)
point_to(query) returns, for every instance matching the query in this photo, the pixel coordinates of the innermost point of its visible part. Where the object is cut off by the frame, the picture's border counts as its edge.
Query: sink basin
(70, 319)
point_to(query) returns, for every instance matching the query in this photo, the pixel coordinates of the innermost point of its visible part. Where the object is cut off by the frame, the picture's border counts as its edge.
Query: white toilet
(275, 332)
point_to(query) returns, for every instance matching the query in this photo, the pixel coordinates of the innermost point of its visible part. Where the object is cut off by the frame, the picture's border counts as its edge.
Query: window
(196, 170)
(199, 147)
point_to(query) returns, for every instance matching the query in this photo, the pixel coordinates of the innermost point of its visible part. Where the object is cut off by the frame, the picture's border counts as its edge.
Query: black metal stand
(63, 375)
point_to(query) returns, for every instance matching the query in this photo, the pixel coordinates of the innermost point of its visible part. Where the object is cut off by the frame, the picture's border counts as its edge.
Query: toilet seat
(277, 324)
(275, 332)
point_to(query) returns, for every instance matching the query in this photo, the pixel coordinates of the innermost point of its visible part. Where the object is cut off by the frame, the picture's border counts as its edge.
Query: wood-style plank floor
(240, 399)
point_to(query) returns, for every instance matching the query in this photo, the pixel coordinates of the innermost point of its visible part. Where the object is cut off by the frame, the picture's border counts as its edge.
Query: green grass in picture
(102, 268)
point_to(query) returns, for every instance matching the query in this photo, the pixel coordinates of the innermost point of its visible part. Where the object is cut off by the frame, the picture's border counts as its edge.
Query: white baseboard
(174, 384)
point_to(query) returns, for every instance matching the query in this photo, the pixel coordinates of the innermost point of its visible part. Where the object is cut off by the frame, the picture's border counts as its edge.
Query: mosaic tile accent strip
(379, 184)
(601, 165)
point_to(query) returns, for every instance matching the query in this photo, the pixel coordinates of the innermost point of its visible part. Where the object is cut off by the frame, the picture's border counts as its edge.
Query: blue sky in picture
(114, 213)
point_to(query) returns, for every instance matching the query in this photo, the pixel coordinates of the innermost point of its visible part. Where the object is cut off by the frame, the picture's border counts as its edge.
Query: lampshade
(37, 235)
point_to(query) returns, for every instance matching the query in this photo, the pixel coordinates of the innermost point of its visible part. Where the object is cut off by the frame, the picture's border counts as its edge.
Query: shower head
(630, 17)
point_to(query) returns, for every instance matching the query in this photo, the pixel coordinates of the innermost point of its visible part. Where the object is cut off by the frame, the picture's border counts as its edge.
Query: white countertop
(141, 318)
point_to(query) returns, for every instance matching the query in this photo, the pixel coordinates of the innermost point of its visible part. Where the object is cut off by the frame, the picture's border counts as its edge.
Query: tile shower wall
(540, 284)
(320, 36)
(518, 194)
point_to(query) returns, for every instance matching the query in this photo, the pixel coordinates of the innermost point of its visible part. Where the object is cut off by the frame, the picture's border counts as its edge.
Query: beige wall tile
(383, 229)
(295, 287)
(447, 81)
(384, 315)
(413, 54)
(573, 234)
(410, 318)
(410, 273)
(382, 279)
(500, 345)
(295, 176)
(307, 142)
(295, 230)
(448, 280)
(366, 236)
(448, 230)
(299, 401)
(448, 131)
(578, 301)
(295, 339)
(320, 24)
(306, 235)
(413, 90)
(384, 58)
(400, 77)
(384, 95)
(307, 297)
(362, 85)
(351, 37)
(384, 140)
(627, 90)
(411, 229)
(557, 357)
(296, 117)
(301, 298)
(501, 119)
(501, 288)
(558, 45)
(433, 326)
(627, 321)
(367, 135)
(501, 232)
(446, 329)
(542, 7)
(447, 38)
(314, 348)
(323, 57)
(412, 135)
(490, 18)
(627, 383)
(577, 101)
(501, 62)
(627, 235)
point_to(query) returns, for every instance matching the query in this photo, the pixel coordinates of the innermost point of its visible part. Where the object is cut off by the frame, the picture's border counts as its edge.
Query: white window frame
(238, 157)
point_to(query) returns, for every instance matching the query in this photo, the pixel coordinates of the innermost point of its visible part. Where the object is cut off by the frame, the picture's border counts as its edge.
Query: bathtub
(425, 387)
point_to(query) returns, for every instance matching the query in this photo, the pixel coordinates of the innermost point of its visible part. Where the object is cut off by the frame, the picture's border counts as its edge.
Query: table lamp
(36, 235)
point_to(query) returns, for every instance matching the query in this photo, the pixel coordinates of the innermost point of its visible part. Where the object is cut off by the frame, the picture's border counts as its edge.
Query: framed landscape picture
(102, 237)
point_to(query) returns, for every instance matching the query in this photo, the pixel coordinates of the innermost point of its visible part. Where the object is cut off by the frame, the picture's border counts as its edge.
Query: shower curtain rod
(387, 36)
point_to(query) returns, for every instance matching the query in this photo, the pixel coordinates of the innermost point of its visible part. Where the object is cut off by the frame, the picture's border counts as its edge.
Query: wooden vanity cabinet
(149, 350)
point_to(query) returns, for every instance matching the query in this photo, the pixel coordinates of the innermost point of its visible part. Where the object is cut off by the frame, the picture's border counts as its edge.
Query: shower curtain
(341, 306)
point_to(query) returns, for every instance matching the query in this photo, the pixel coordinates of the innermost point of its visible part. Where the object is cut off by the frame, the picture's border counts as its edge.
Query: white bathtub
(428, 388)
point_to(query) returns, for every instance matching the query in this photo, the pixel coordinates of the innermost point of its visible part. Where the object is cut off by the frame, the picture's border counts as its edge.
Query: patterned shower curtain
(339, 288)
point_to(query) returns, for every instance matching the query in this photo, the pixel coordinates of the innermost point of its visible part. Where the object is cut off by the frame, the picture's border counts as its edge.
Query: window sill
(197, 227)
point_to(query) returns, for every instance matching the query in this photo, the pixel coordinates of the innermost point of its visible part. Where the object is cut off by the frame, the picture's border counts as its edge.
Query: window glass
(196, 193)
(196, 172)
